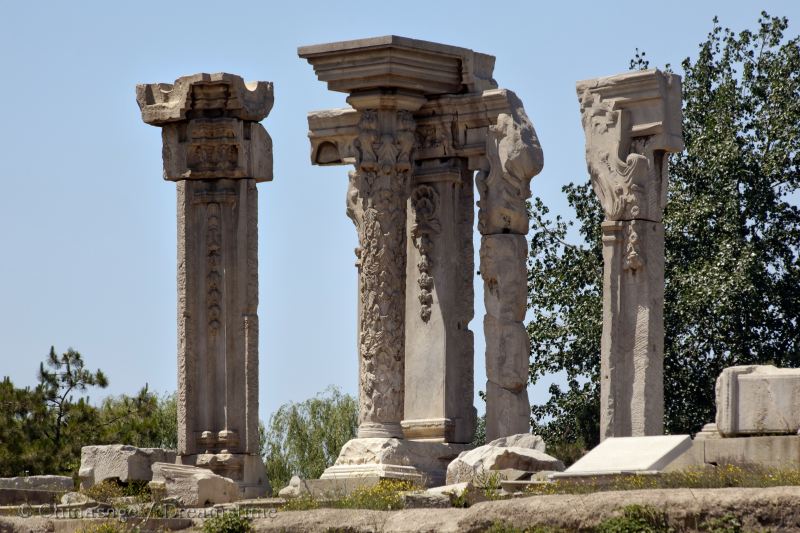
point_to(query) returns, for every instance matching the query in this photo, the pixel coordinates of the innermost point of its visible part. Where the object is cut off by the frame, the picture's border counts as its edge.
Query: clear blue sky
(89, 253)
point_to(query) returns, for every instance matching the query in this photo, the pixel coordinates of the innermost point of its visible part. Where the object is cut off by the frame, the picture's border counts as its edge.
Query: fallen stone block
(758, 400)
(54, 483)
(473, 464)
(425, 500)
(192, 486)
(619, 455)
(460, 494)
(76, 498)
(120, 461)
(521, 440)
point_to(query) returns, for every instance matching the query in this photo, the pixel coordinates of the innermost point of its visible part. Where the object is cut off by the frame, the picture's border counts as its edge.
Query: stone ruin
(426, 125)
(423, 119)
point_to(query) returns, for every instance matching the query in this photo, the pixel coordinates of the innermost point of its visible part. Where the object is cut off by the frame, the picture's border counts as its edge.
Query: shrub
(229, 522)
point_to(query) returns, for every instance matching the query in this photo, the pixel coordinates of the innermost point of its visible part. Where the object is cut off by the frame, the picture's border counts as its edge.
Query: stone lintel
(399, 62)
(448, 126)
(652, 99)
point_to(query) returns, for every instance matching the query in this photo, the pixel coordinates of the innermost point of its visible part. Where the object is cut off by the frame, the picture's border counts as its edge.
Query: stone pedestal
(632, 121)
(419, 461)
(216, 151)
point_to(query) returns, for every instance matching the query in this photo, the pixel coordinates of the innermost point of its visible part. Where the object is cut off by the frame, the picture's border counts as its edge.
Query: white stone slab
(630, 454)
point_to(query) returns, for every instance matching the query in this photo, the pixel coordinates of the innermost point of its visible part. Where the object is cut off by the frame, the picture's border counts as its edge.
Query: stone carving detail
(619, 184)
(514, 156)
(425, 205)
(633, 258)
(377, 195)
(214, 276)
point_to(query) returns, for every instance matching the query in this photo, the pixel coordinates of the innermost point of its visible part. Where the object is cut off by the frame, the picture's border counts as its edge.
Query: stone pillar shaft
(634, 329)
(377, 195)
(439, 306)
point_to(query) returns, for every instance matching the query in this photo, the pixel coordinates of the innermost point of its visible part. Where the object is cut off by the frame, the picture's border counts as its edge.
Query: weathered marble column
(632, 121)
(216, 151)
(514, 156)
(378, 191)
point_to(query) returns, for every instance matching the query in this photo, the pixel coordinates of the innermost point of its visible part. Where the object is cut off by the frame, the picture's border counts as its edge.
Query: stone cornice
(204, 96)
(447, 126)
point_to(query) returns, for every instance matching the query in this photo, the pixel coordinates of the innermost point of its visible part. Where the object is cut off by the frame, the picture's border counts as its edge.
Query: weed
(727, 523)
(227, 523)
(104, 491)
(109, 526)
(638, 518)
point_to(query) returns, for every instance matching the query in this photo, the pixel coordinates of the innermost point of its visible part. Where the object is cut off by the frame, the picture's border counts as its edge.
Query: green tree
(305, 438)
(59, 379)
(732, 231)
(145, 420)
(43, 429)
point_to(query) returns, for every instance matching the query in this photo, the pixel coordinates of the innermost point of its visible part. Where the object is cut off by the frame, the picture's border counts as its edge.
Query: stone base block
(376, 471)
(333, 487)
(413, 460)
(758, 400)
(772, 451)
(246, 470)
(192, 486)
(779, 451)
(119, 461)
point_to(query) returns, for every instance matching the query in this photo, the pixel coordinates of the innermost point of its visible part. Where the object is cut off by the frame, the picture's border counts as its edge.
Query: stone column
(376, 202)
(216, 151)
(632, 121)
(514, 157)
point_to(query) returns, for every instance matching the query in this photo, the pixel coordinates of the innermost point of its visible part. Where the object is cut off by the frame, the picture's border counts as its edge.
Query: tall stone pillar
(514, 157)
(632, 121)
(216, 152)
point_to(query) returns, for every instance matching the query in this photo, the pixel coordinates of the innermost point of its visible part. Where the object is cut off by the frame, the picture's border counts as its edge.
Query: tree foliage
(42, 429)
(304, 438)
(732, 233)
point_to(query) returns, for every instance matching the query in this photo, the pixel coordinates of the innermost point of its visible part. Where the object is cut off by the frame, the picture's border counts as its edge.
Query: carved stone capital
(514, 157)
(210, 126)
(631, 121)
